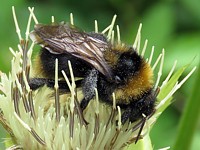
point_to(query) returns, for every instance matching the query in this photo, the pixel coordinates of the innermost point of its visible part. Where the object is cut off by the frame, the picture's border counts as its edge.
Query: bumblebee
(108, 67)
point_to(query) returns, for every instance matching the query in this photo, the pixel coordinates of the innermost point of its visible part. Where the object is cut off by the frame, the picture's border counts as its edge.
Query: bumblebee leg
(88, 85)
(126, 115)
(36, 83)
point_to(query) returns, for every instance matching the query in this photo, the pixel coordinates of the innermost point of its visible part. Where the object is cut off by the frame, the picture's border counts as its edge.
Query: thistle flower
(38, 120)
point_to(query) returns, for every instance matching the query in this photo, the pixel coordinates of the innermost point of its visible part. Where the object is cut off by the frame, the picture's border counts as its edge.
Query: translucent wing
(66, 38)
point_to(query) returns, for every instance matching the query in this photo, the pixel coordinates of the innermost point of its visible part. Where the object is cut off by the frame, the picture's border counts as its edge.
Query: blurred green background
(170, 24)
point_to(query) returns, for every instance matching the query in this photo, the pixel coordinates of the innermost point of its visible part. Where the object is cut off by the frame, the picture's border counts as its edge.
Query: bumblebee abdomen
(47, 64)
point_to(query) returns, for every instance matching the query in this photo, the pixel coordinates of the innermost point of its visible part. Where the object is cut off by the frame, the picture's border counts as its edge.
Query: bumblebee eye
(117, 79)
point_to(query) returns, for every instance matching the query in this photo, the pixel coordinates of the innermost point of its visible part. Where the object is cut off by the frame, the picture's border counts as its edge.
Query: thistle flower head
(38, 120)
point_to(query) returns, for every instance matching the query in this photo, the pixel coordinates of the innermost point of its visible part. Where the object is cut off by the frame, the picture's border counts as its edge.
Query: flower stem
(189, 119)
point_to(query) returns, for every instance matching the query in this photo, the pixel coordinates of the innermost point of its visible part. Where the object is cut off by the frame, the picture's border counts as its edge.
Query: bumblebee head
(128, 65)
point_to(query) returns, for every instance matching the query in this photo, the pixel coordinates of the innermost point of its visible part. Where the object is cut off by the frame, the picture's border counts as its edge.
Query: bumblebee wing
(64, 38)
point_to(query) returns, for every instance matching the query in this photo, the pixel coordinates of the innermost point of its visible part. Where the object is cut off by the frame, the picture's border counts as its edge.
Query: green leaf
(190, 119)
